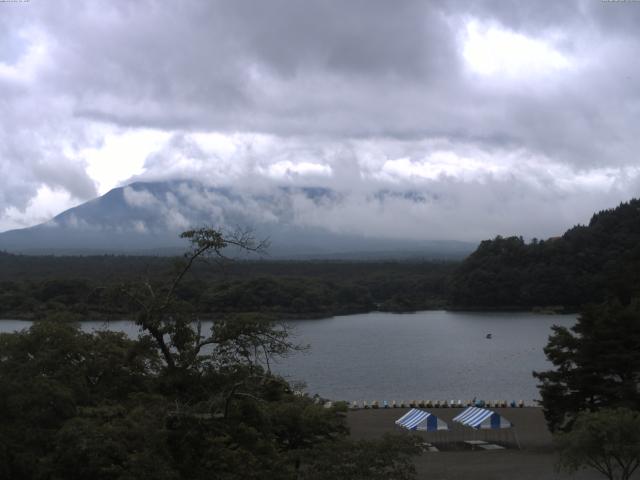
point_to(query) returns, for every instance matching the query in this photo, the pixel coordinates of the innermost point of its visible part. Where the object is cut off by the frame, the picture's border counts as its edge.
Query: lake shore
(534, 461)
(285, 315)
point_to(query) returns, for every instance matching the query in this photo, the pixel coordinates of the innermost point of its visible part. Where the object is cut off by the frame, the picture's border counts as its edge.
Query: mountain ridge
(147, 217)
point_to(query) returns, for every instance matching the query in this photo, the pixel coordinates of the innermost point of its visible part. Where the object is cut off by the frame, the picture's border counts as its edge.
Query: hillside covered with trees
(587, 264)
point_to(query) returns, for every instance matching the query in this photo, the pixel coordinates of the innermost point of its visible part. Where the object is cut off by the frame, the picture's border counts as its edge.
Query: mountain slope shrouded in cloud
(148, 218)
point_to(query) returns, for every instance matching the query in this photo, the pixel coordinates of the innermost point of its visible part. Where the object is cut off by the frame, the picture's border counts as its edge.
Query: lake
(437, 355)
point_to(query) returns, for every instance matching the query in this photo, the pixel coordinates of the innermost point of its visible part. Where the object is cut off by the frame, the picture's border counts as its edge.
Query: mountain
(146, 218)
(587, 264)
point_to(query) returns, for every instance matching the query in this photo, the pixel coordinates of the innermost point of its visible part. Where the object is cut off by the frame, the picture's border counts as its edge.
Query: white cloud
(140, 198)
(175, 220)
(46, 204)
(288, 170)
(440, 164)
(119, 154)
(490, 49)
(36, 57)
(140, 227)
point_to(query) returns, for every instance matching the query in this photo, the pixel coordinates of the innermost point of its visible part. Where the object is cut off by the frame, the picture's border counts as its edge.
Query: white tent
(416, 419)
(482, 419)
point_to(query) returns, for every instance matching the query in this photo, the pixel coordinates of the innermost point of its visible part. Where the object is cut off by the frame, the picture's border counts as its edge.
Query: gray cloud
(344, 69)
(393, 188)
(34, 137)
(340, 91)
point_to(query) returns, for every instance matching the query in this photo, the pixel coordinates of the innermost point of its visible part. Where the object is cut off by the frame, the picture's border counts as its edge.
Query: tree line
(90, 287)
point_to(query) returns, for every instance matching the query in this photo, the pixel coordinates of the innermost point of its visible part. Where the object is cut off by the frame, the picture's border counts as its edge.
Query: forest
(89, 286)
(588, 264)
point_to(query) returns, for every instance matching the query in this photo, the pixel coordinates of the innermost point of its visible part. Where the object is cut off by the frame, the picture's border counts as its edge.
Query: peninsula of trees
(588, 264)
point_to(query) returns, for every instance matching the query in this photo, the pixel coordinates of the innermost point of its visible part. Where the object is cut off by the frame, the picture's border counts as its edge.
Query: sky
(500, 117)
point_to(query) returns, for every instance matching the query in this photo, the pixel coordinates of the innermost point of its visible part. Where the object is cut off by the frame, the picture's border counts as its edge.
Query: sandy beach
(533, 461)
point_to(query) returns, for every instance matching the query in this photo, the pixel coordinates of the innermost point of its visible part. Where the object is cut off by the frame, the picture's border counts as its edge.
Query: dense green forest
(90, 286)
(588, 264)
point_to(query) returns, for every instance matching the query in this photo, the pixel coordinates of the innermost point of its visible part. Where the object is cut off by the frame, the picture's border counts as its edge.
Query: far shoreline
(292, 316)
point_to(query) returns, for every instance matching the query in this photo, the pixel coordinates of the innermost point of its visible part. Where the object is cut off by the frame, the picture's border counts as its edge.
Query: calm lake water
(425, 355)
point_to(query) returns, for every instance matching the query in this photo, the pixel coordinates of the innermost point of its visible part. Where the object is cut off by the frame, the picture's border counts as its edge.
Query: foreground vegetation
(176, 403)
(591, 396)
(596, 364)
(607, 441)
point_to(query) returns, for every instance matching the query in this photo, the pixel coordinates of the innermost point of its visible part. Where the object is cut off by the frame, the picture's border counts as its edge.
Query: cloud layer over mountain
(475, 119)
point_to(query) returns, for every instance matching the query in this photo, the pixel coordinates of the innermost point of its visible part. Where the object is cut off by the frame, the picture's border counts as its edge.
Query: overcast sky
(501, 117)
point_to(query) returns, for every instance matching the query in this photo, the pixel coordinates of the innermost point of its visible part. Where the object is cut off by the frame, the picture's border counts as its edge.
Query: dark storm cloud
(341, 90)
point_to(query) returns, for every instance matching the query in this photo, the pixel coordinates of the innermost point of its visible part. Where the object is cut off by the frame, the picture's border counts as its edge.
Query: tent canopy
(481, 418)
(416, 419)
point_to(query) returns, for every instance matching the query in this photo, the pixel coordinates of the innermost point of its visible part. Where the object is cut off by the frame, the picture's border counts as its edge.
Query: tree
(173, 326)
(123, 441)
(231, 414)
(597, 364)
(607, 440)
(49, 376)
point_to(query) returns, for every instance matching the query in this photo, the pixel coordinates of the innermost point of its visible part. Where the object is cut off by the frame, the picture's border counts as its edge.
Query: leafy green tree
(607, 441)
(49, 374)
(596, 364)
(123, 441)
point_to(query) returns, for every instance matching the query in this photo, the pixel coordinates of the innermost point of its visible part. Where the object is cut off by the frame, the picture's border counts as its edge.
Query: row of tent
(474, 417)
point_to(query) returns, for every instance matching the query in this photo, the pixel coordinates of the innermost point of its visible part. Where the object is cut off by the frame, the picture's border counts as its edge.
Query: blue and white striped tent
(416, 419)
(481, 418)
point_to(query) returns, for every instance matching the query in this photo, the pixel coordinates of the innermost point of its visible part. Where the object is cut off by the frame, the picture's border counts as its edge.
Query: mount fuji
(147, 217)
